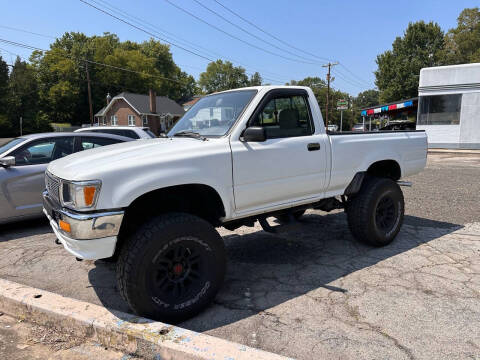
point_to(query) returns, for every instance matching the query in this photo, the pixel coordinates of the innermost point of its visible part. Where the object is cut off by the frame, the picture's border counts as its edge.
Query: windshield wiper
(191, 134)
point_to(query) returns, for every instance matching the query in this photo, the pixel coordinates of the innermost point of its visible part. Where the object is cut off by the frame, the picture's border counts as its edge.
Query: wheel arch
(383, 168)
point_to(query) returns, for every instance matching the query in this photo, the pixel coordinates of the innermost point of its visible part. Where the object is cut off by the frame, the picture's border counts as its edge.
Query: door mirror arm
(7, 161)
(254, 134)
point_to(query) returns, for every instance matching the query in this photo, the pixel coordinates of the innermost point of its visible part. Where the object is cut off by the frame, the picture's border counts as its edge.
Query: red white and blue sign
(386, 108)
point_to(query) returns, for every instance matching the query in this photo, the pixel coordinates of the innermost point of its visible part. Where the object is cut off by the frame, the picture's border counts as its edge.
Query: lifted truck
(235, 157)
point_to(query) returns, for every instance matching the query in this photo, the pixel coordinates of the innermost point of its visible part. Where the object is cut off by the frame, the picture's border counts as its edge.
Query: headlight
(80, 195)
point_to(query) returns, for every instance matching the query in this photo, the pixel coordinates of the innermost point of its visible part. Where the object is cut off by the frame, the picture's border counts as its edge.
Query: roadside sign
(342, 104)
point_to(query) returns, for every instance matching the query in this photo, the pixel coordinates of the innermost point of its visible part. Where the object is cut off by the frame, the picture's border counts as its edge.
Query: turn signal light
(64, 226)
(89, 195)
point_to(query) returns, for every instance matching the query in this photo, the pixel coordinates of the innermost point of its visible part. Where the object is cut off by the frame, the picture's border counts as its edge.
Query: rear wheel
(172, 267)
(375, 214)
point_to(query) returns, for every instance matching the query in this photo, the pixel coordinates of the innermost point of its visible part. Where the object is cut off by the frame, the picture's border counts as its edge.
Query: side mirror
(254, 134)
(7, 161)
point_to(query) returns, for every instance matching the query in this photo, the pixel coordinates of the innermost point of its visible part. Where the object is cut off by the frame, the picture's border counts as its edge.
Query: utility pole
(89, 94)
(329, 65)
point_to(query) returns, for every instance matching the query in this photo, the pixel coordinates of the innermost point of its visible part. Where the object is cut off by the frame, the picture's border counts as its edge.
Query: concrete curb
(118, 330)
(454, 151)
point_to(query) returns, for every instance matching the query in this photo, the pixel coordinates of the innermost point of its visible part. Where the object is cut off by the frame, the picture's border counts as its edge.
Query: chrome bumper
(83, 226)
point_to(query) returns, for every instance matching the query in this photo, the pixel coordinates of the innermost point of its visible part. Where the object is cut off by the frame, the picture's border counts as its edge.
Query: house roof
(141, 103)
(192, 102)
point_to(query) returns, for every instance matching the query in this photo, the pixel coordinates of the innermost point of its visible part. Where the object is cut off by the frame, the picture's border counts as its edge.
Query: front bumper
(91, 236)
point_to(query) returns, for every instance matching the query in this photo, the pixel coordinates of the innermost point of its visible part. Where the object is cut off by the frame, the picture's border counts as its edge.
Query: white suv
(133, 132)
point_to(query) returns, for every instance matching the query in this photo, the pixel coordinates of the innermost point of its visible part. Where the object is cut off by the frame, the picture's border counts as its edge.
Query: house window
(439, 109)
(145, 120)
(131, 120)
(114, 119)
(104, 120)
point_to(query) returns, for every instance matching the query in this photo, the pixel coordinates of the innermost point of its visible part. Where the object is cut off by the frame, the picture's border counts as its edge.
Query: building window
(145, 120)
(104, 120)
(439, 109)
(131, 120)
(114, 120)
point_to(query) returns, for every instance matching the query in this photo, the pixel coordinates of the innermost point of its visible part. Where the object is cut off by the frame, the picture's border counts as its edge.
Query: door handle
(313, 146)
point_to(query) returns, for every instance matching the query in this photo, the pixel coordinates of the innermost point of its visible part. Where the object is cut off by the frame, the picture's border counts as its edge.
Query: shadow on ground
(265, 269)
(19, 229)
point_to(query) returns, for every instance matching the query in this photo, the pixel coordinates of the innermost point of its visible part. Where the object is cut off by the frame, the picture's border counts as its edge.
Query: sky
(350, 32)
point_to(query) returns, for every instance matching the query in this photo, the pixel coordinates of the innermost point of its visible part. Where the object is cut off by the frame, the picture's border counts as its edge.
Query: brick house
(159, 113)
(186, 106)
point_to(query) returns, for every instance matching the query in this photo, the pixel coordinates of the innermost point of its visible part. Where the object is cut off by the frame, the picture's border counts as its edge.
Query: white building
(449, 106)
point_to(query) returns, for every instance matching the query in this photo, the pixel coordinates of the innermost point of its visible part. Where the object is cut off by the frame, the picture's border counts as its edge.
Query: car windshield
(10, 144)
(213, 115)
(149, 132)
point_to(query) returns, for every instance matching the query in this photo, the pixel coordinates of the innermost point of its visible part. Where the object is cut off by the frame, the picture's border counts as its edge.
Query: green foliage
(23, 97)
(62, 73)
(221, 76)
(255, 79)
(3, 86)
(367, 98)
(462, 44)
(398, 70)
(319, 88)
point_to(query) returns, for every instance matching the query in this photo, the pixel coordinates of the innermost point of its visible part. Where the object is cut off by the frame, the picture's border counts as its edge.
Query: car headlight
(80, 195)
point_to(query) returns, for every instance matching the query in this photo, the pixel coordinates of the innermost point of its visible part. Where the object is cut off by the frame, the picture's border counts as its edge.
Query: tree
(398, 70)
(22, 98)
(255, 79)
(462, 44)
(62, 73)
(221, 76)
(319, 88)
(3, 86)
(367, 98)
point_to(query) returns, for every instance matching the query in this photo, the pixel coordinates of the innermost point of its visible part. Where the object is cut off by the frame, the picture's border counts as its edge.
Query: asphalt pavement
(312, 292)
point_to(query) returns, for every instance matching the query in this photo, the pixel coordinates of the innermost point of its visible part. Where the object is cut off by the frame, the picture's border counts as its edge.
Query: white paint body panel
(251, 178)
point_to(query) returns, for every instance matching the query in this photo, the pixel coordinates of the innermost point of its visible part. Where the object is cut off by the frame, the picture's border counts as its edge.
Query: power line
(349, 81)
(146, 31)
(25, 46)
(27, 32)
(233, 36)
(284, 42)
(196, 46)
(249, 33)
(269, 34)
(351, 72)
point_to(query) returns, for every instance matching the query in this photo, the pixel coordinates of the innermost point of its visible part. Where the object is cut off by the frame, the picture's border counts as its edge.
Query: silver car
(23, 162)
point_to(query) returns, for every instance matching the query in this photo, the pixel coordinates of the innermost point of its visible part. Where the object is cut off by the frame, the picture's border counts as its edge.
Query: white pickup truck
(234, 158)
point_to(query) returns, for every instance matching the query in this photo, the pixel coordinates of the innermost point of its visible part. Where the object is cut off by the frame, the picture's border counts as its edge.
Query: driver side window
(43, 151)
(285, 116)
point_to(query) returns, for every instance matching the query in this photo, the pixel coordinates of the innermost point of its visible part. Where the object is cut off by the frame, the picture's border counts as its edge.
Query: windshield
(149, 132)
(10, 144)
(214, 115)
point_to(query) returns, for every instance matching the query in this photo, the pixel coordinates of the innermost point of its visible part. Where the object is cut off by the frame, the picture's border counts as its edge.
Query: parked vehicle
(399, 125)
(23, 163)
(332, 127)
(134, 132)
(359, 127)
(155, 206)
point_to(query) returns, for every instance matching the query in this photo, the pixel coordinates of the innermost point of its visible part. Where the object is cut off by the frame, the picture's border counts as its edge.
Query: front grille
(53, 186)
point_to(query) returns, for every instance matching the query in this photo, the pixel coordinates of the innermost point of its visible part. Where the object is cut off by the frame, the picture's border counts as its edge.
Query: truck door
(290, 165)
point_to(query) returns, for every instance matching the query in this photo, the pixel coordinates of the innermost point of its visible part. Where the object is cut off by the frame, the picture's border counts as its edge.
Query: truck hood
(90, 164)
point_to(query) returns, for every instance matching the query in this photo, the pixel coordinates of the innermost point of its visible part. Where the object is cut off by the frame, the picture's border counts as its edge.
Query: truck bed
(352, 152)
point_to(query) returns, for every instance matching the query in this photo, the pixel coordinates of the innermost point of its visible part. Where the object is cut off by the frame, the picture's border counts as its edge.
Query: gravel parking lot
(312, 292)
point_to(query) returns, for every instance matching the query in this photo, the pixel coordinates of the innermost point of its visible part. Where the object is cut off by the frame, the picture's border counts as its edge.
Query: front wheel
(172, 267)
(375, 214)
